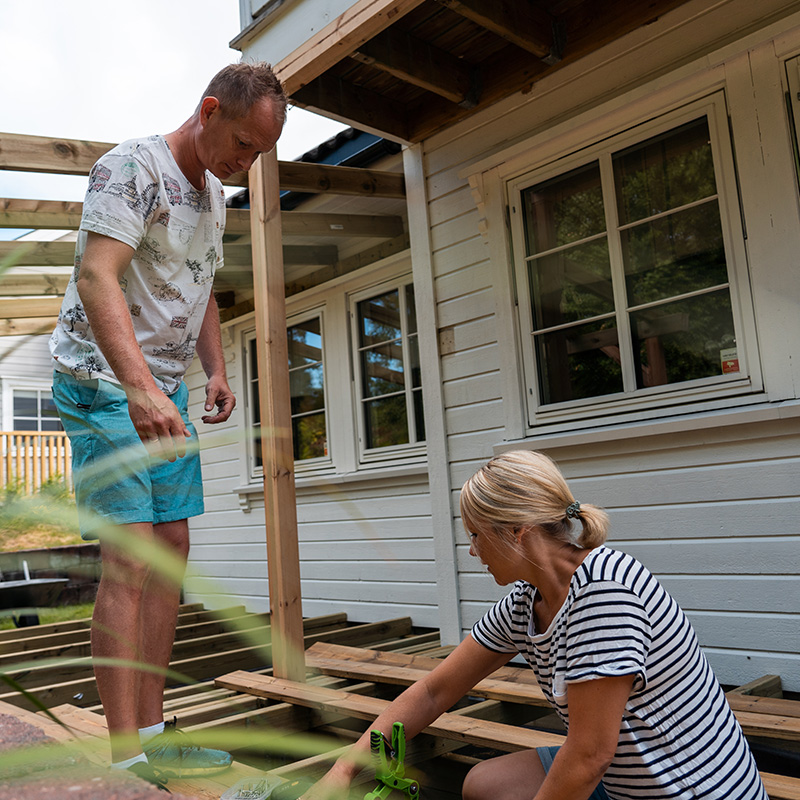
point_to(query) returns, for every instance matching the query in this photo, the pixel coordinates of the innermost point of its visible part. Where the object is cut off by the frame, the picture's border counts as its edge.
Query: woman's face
(497, 553)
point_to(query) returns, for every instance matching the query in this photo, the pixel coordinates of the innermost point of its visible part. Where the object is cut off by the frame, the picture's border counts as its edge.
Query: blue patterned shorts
(115, 478)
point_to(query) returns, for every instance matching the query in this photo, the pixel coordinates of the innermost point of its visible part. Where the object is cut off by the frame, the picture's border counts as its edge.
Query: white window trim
(654, 399)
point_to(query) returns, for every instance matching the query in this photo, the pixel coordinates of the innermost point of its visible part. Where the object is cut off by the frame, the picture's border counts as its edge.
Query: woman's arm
(416, 708)
(595, 715)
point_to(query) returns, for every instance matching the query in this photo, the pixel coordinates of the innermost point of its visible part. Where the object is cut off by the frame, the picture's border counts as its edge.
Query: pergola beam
(58, 215)
(520, 22)
(26, 153)
(62, 254)
(27, 308)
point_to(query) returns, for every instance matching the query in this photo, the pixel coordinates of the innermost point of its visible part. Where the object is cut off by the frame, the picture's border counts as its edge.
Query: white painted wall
(705, 497)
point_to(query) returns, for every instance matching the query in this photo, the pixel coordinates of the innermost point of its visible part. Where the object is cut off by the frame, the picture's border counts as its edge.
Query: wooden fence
(31, 458)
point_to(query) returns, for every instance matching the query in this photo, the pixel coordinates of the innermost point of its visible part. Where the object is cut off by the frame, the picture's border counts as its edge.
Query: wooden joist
(75, 157)
(516, 685)
(508, 738)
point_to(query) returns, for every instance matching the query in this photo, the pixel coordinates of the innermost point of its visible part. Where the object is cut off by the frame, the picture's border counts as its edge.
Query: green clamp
(389, 768)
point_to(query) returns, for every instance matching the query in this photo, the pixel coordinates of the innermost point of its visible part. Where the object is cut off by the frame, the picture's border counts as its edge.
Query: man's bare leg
(115, 634)
(159, 609)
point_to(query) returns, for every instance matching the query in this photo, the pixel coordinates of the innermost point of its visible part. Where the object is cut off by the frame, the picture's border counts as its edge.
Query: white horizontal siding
(712, 512)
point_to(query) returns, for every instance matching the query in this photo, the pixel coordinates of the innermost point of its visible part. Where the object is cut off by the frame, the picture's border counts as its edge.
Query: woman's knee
(478, 784)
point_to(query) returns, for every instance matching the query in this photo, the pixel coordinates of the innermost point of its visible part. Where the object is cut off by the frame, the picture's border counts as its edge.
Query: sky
(109, 70)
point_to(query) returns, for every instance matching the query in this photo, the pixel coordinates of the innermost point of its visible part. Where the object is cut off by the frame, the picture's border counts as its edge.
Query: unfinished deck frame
(264, 223)
(346, 687)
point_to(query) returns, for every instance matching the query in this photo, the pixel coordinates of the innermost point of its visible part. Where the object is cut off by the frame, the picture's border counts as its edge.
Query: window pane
(309, 437)
(386, 421)
(577, 362)
(571, 284)
(379, 319)
(419, 415)
(564, 210)
(307, 390)
(415, 369)
(382, 369)
(411, 309)
(51, 425)
(26, 404)
(48, 406)
(305, 343)
(25, 424)
(680, 253)
(685, 340)
(665, 172)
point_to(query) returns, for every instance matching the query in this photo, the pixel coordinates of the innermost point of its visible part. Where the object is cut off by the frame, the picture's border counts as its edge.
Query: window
(627, 271)
(307, 390)
(34, 410)
(387, 361)
(354, 374)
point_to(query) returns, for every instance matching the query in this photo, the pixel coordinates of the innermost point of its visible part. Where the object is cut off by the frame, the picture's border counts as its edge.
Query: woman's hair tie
(574, 510)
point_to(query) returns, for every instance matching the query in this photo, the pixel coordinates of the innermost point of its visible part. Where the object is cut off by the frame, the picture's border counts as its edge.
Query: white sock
(146, 734)
(129, 762)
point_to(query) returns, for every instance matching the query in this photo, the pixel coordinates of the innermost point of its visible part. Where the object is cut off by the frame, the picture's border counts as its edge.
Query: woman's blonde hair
(525, 489)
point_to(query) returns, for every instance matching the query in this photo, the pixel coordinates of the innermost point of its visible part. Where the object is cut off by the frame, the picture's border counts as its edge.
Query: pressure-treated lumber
(508, 738)
(283, 557)
(59, 215)
(510, 684)
(27, 153)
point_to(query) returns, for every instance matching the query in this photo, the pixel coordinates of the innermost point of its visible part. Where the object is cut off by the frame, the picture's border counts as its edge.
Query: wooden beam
(26, 153)
(520, 22)
(49, 214)
(508, 738)
(364, 107)
(57, 215)
(323, 178)
(27, 327)
(29, 308)
(343, 35)
(39, 254)
(280, 504)
(422, 64)
(19, 285)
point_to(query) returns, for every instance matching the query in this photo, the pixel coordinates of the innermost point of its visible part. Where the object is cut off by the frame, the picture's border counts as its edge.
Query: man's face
(226, 145)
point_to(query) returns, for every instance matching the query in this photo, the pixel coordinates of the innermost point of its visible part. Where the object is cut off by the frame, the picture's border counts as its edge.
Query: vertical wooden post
(283, 557)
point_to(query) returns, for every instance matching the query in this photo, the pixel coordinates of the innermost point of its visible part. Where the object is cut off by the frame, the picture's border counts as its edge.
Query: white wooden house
(604, 228)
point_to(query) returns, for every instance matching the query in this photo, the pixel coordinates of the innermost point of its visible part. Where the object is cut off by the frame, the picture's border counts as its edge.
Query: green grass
(57, 614)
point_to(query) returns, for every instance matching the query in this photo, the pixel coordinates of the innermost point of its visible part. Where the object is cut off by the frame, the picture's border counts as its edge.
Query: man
(138, 306)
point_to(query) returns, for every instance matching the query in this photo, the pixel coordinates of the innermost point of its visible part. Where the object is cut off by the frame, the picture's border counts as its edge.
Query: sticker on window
(730, 360)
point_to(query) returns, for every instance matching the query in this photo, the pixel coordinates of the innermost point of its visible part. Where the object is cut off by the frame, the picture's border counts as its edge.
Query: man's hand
(158, 423)
(220, 396)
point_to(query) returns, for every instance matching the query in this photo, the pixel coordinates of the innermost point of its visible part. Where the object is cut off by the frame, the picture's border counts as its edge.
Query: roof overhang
(407, 69)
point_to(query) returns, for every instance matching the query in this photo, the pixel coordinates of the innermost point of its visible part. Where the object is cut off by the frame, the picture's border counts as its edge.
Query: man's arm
(212, 357)
(153, 414)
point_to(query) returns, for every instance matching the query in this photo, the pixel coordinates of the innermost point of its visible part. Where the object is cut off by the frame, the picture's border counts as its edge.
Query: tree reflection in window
(667, 294)
(391, 385)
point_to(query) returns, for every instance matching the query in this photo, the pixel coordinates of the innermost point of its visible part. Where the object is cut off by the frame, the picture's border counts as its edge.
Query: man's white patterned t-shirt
(138, 195)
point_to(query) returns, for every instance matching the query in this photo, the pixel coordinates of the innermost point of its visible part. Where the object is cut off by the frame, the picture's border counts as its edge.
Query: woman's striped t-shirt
(678, 738)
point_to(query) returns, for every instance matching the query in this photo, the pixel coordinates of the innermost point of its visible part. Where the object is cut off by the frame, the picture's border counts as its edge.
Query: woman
(612, 651)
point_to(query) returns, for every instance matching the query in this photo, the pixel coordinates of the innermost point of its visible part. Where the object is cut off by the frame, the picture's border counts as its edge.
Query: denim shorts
(546, 756)
(115, 479)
